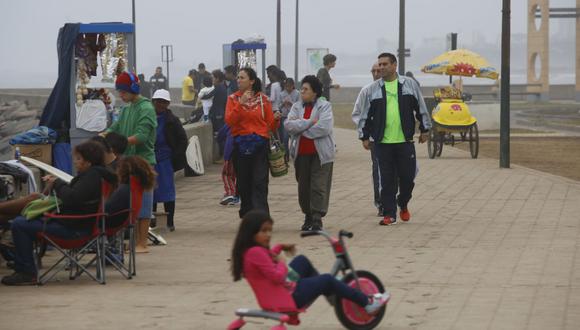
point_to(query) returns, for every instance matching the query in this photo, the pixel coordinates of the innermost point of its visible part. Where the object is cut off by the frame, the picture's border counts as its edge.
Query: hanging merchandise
(247, 59)
(87, 48)
(114, 57)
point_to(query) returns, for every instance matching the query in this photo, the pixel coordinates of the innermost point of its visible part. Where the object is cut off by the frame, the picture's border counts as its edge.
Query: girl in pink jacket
(282, 288)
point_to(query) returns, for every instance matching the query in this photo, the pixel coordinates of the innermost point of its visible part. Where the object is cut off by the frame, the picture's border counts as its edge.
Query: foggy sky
(197, 29)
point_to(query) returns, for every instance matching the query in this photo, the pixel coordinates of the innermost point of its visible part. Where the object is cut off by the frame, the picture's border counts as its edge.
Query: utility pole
(452, 46)
(167, 56)
(504, 138)
(134, 38)
(278, 36)
(401, 55)
(296, 45)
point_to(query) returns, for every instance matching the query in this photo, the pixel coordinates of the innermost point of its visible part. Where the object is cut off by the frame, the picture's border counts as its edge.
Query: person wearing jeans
(250, 118)
(81, 196)
(312, 285)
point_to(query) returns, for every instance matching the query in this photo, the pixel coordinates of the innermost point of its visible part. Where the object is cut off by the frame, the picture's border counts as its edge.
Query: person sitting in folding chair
(80, 196)
(118, 206)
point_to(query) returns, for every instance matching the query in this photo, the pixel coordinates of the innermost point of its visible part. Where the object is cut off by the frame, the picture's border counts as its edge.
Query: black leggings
(169, 208)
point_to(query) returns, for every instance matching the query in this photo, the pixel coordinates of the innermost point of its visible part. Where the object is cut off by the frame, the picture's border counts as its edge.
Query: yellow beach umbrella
(461, 62)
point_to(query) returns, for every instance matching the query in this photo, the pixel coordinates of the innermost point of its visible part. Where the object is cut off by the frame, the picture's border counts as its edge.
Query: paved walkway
(486, 249)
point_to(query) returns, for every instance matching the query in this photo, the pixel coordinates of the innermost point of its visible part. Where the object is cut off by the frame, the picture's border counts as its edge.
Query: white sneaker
(226, 200)
(377, 301)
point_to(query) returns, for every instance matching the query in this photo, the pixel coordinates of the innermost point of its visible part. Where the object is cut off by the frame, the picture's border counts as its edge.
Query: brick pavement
(486, 249)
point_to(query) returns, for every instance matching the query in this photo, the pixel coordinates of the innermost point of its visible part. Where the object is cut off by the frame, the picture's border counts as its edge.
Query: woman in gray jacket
(309, 125)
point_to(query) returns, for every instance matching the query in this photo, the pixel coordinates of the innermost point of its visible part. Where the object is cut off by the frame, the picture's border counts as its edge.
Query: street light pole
(504, 138)
(401, 52)
(296, 45)
(278, 35)
(134, 37)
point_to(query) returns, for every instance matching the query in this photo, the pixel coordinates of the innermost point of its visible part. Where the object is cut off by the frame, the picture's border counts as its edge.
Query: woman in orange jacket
(249, 114)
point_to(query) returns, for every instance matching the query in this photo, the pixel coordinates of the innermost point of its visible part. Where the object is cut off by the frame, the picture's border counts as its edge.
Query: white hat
(161, 94)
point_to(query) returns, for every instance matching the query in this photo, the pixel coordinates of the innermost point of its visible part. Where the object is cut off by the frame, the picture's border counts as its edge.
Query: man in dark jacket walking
(388, 111)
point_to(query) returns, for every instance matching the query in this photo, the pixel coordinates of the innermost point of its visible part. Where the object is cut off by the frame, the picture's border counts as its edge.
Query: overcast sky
(197, 29)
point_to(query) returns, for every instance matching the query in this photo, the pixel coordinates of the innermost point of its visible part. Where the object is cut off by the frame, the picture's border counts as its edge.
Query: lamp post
(278, 35)
(134, 37)
(504, 137)
(401, 52)
(296, 45)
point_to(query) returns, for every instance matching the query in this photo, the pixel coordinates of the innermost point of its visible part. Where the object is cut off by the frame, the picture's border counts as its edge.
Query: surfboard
(47, 168)
(194, 156)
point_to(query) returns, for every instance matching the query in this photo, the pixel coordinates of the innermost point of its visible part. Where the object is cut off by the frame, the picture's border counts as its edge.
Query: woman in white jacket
(309, 125)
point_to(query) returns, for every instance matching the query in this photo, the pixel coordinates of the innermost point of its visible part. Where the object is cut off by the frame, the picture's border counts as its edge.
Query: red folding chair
(128, 270)
(75, 250)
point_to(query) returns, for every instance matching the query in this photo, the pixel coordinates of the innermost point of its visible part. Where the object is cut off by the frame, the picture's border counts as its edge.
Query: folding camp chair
(75, 250)
(128, 270)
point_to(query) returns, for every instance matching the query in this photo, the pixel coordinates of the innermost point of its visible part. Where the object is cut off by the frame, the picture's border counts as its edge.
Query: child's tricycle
(351, 315)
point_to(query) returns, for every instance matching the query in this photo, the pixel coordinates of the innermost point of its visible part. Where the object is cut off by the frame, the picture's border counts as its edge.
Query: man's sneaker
(405, 214)
(377, 301)
(316, 225)
(226, 200)
(307, 225)
(388, 221)
(234, 201)
(17, 279)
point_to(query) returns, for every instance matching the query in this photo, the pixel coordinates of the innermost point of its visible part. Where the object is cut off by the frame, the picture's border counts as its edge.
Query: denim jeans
(311, 285)
(146, 210)
(24, 234)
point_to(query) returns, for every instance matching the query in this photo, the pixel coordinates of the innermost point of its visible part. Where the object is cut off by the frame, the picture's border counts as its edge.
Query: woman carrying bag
(309, 125)
(250, 117)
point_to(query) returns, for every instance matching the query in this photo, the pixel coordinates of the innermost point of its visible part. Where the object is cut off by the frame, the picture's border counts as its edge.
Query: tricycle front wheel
(351, 315)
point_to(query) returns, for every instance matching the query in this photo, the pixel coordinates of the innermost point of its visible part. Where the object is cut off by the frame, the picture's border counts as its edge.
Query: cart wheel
(440, 141)
(432, 144)
(474, 141)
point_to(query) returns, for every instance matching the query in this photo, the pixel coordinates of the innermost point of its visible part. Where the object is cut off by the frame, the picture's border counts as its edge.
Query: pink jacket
(268, 279)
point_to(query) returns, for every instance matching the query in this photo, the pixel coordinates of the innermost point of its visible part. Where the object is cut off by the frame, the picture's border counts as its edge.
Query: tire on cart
(432, 143)
(474, 141)
(440, 140)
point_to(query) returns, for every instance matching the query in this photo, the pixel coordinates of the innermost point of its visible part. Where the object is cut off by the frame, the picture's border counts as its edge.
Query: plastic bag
(92, 116)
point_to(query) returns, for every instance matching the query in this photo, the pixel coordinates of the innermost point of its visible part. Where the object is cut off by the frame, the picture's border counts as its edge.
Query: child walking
(283, 288)
(228, 173)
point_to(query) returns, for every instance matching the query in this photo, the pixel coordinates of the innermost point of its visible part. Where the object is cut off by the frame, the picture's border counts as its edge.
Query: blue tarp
(56, 112)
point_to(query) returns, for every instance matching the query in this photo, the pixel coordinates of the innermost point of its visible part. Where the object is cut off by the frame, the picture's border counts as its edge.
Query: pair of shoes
(376, 302)
(405, 214)
(226, 200)
(388, 221)
(235, 200)
(171, 228)
(17, 279)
